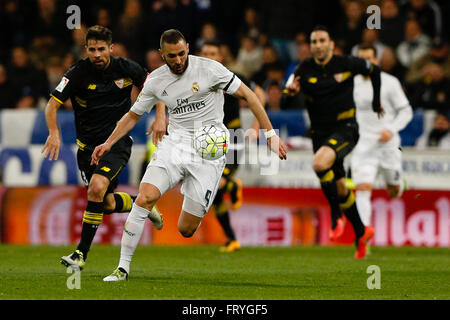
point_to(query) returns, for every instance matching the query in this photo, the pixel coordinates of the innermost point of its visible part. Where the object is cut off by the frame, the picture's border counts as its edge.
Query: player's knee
(187, 234)
(319, 165)
(146, 200)
(321, 162)
(223, 183)
(343, 192)
(324, 159)
(186, 231)
(342, 189)
(96, 190)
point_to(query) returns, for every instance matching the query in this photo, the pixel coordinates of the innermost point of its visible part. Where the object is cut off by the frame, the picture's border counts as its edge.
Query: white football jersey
(398, 111)
(192, 98)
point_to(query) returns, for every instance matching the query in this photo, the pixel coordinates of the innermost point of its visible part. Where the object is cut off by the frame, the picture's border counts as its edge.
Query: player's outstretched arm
(275, 143)
(255, 124)
(53, 143)
(124, 126)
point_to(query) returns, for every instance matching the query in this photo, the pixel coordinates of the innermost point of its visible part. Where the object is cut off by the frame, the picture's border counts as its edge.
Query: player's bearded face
(321, 45)
(175, 55)
(99, 53)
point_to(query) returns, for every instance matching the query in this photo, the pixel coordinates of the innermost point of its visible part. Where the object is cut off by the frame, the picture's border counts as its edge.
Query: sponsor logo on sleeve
(62, 84)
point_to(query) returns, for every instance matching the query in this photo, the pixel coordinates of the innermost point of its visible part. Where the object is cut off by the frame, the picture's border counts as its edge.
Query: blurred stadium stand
(413, 130)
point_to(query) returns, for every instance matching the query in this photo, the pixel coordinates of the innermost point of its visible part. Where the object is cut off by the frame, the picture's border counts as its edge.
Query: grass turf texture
(202, 272)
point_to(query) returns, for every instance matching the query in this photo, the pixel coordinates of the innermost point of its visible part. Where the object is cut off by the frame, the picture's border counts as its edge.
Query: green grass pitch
(253, 273)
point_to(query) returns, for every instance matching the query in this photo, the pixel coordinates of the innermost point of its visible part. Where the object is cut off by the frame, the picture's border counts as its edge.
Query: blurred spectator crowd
(261, 39)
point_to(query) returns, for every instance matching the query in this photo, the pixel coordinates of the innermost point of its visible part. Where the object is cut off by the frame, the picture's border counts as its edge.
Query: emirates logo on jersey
(195, 87)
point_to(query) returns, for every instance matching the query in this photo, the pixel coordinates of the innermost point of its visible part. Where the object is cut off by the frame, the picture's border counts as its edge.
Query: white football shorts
(367, 162)
(200, 178)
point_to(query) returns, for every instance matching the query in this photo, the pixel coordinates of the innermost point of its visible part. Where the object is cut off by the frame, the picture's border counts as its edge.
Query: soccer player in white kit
(378, 147)
(192, 89)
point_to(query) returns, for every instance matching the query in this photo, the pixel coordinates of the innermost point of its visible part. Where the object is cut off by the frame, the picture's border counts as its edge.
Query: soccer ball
(211, 141)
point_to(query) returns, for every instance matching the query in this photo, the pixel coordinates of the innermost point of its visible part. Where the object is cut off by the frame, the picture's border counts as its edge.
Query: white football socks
(132, 232)
(364, 206)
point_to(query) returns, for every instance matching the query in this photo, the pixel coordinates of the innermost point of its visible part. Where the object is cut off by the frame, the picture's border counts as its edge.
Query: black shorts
(109, 165)
(342, 140)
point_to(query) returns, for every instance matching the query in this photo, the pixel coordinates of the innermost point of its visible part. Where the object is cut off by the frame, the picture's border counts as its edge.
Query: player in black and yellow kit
(327, 84)
(100, 89)
(228, 183)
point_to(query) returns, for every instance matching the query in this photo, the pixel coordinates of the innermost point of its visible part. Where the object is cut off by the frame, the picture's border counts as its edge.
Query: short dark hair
(443, 112)
(367, 46)
(321, 27)
(99, 33)
(215, 43)
(172, 36)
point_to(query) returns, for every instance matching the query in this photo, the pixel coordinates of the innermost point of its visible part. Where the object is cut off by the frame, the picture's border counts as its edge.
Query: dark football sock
(224, 220)
(221, 210)
(348, 205)
(92, 218)
(232, 188)
(329, 189)
(124, 202)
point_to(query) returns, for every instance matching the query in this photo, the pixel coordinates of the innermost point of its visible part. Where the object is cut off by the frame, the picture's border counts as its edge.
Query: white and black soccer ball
(211, 141)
